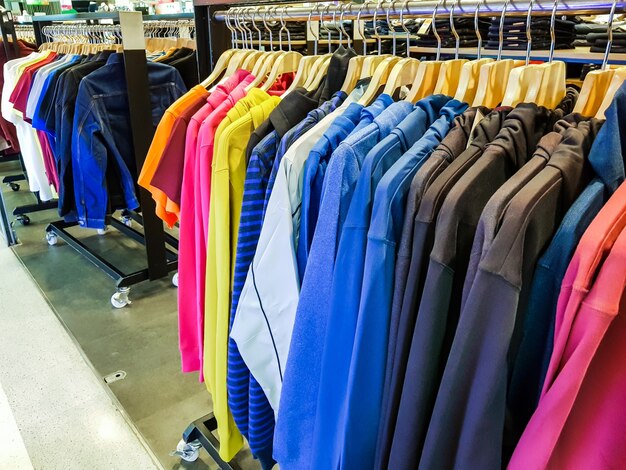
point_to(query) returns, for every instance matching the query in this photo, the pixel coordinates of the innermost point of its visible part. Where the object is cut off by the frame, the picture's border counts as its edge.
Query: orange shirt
(193, 98)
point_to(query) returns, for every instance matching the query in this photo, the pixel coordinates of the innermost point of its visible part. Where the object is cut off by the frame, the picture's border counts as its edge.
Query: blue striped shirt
(250, 408)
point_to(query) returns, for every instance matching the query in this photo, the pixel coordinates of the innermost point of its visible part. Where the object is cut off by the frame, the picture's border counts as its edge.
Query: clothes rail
(214, 37)
(425, 8)
(10, 41)
(160, 259)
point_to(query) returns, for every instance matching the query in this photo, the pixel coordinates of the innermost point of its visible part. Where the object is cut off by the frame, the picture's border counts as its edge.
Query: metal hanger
(343, 7)
(428, 71)
(599, 86)
(471, 71)
(524, 82)
(391, 28)
(450, 73)
(403, 72)
(382, 72)
(355, 65)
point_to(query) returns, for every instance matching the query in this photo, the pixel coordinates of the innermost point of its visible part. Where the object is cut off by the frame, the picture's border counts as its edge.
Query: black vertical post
(219, 36)
(142, 130)
(212, 37)
(8, 34)
(38, 26)
(201, 18)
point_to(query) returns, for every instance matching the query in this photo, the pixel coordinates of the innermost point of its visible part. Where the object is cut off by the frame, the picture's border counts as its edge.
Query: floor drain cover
(115, 376)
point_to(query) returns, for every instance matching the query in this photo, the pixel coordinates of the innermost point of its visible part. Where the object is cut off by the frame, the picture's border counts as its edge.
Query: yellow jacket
(227, 184)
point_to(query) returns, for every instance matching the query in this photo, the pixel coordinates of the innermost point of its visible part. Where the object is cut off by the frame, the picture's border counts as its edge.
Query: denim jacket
(102, 149)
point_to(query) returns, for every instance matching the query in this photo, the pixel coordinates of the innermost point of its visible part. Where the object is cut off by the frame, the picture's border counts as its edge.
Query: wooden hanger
(450, 72)
(371, 62)
(404, 71)
(600, 84)
(524, 81)
(318, 72)
(619, 77)
(355, 65)
(427, 74)
(425, 80)
(552, 88)
(402, 74)
(224, 60)
(471, 71)
(380, 78)
(251, 59)
(353, 74)
(493, 77)
(286, 63)
(265, 68)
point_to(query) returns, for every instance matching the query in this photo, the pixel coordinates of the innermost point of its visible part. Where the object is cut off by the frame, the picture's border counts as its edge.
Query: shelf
(578, 55)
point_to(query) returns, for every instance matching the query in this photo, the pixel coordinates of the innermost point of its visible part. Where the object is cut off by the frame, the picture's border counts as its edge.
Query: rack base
(122, 279)
(202, 430)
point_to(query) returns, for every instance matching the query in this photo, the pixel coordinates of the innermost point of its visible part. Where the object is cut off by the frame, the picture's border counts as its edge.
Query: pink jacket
(579, 422)
(190, 320)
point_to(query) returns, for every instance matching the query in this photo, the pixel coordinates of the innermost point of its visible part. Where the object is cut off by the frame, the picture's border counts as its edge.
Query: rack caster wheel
(188, 451)
(14, 187)
(23, 219)
(120, 298)
(52, 238)
(127, 220)
(101, 231)
(175, 280)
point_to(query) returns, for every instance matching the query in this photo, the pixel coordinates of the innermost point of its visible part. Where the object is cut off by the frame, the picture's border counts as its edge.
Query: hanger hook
(249, 12)
(281, 19)
(343, 7)
(552, 30)
(457, 38)
(254, 12)
(265, 14)
(406, 30)
(376, 35)
(529, 37)
(501, 29)
(435, 32)
(287, 29)
(247, 30)
(312, 31)
(230, 28)
(244, 34)
(236, 24)
(605, 61)
(390, 26)
(477, 29)
(326, 10)
(338, 27)
(358, 25)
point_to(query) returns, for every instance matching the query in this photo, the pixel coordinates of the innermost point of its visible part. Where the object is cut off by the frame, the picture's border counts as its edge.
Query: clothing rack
(161, 260)
(213, 38)
(10, 41)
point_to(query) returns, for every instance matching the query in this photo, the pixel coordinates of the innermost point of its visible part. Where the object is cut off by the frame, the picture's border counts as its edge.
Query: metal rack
(10, 41)
(160, 255)
(213, 38)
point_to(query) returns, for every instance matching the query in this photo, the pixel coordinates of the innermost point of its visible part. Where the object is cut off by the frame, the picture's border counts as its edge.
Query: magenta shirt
(579, 421)
(190, 322)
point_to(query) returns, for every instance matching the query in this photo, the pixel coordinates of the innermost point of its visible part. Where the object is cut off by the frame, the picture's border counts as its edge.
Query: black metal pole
(142, 130)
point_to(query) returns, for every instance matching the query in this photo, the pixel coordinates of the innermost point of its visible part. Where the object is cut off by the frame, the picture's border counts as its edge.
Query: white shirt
(38, 82)
(30, 147)
(266, 312)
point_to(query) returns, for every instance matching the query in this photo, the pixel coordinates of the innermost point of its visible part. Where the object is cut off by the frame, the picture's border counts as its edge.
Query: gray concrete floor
(140, 339)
